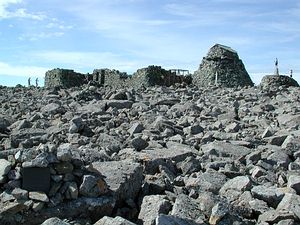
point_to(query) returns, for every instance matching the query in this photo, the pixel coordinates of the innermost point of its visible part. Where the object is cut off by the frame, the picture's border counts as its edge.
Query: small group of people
(36, 82)
(277, 70)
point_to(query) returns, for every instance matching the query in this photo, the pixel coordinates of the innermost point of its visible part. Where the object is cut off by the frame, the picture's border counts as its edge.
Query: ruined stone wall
(63, 78)
(155, 75)
(224, 62)
(51, 177)
(113, 78)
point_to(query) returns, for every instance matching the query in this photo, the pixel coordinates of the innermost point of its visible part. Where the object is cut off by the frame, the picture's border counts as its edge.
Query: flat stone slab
(152, 206)
(168, 220)
(124, 178)
(224, 149)
(106, 220)
(152, 158)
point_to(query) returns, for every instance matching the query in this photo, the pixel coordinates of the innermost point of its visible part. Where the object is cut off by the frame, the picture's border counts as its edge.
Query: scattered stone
(124, 177)
(168, 219)
(294, 182)
(208, 181)
(19, 193)
(39, 196)
(270, 195)
(210, 154)
(5, 167)
(113, 221)
(187, 208)
(64, 152)
(54, 221)
(92, 186)
(152, 206)
(218, 212)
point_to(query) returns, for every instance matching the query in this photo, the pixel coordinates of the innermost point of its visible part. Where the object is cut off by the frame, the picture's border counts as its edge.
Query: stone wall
(64, 78)
(224, 63)
(113, 78)
(155, 75)
(36, 181)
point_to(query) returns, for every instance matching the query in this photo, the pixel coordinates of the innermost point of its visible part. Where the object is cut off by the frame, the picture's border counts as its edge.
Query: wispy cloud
(39, 36)
(86, 60)
(6, 13)
(26, 71)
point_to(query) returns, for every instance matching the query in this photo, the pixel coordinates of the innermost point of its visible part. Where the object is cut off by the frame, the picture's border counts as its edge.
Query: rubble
(156, 155)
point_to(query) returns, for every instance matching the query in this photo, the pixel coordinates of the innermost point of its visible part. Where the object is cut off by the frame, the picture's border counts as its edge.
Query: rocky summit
(156, 155)
(223, 67)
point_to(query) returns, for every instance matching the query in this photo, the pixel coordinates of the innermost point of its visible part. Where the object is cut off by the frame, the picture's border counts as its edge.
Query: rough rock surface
(156, 155)
(275, 81)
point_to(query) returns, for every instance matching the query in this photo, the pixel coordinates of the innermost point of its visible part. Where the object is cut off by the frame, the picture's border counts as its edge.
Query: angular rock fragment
(124, 177)
(270, 195)
(106, 220)
(152, 206)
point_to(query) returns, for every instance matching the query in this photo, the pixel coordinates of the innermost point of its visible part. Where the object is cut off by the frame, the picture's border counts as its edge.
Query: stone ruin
(145, 77)
(64, 78)
(155, 75)
(222, 67)
(113, 78)
(49, 182)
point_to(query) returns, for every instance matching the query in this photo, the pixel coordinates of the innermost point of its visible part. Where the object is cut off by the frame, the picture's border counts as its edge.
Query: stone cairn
(273, 82)
(222, 67)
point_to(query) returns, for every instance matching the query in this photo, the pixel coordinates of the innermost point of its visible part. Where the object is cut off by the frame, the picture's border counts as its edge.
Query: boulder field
(181, 155)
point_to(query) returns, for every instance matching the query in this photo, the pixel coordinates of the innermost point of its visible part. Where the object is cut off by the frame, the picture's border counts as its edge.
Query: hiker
(37, 82)
(29, 79)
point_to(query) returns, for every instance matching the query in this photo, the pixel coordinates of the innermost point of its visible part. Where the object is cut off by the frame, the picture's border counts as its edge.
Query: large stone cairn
(224, 63)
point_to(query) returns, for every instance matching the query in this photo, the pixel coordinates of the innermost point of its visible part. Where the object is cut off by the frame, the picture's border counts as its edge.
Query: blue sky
(38, 35)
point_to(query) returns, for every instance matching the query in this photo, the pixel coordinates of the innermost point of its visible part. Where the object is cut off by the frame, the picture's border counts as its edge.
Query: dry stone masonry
(222, 67)
(145, 77)
(64, 78)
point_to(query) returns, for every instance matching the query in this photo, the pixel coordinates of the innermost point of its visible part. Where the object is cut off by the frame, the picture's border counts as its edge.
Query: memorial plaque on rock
(36, 179)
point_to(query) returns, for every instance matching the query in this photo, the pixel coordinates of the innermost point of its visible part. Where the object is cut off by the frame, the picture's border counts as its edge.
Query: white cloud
(5, 13)
(41, 35)
(25, 71)
(81, 61)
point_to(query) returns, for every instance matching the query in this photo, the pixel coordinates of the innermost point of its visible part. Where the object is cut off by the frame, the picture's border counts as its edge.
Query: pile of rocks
(159, 155)
(275, 81)
(223, 67)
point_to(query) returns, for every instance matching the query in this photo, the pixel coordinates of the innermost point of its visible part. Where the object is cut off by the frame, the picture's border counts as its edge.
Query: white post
(216, 78)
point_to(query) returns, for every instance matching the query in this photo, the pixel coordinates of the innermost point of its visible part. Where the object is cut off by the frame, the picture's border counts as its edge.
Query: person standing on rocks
(37, 82)
(291, 73)
(29, 79)
(276, 67)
